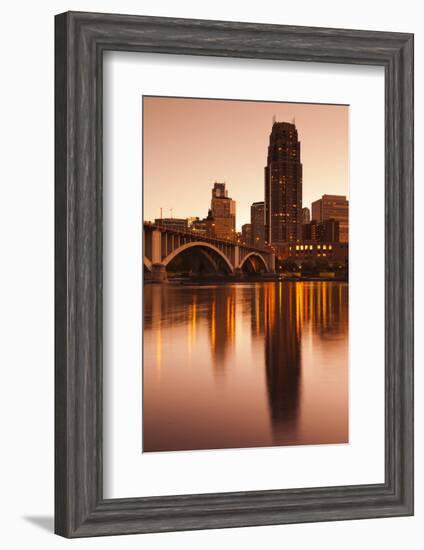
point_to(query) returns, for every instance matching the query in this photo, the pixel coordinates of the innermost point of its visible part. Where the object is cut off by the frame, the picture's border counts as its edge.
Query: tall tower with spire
(283, 186)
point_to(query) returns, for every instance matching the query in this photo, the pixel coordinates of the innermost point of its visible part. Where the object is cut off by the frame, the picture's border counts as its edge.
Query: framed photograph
(234, 274)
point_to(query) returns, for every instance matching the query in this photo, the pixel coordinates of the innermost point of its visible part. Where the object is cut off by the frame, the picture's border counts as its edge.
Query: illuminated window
(324, 247)
(297, 247)
(311, 247)
(319, 247)
(330, 247)
(301, 247)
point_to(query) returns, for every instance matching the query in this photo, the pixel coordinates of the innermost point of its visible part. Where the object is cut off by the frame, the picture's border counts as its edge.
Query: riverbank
(251, 279)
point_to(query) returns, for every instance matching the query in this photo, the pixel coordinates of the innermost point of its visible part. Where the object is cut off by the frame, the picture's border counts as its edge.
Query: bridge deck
(204, 238)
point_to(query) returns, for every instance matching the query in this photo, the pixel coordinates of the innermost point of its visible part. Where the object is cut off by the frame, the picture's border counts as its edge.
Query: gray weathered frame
(80, 40)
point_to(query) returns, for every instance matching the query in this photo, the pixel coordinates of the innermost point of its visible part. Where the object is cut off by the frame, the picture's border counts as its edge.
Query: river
(245, 365)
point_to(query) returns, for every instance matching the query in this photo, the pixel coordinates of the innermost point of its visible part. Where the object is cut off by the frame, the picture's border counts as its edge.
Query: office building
(223, 212)
(306, 215)
(257, 221)
(334, 207)
(283, 186)
(326, 231)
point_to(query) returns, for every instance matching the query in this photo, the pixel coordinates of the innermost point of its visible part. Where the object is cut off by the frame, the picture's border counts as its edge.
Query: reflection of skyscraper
(222, 328)
(283, 357)
(283, 186)
(257, 221)
(334, 207)
(223, 212)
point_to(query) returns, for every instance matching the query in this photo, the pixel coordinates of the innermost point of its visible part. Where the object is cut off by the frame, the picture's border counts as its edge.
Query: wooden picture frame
(81, 39)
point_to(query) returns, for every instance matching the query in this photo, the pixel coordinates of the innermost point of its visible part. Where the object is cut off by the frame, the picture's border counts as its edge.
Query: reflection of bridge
(162, 245)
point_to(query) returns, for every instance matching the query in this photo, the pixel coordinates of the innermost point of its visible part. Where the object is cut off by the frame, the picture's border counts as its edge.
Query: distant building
(246, 233)
(283, 186)
(178, 224)
(257, 222)
(310, 231)
(198, 226)
(210, 225)
(334, 207)
(223, 212)
(329, 231)
(191, 220)
(326, 231)
(304, 251)
(306, 215)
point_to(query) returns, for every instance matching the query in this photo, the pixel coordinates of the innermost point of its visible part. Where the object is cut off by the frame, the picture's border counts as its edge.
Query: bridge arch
(147, 264)
(201, 244)
(256, 255)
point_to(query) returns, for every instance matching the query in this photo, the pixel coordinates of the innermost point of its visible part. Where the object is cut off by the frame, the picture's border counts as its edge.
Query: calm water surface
(245, 365)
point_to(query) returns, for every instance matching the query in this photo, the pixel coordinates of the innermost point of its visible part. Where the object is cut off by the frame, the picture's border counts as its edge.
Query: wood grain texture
(81, 39)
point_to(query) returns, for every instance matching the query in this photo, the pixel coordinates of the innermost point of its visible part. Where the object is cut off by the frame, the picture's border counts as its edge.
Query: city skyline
(187, 140)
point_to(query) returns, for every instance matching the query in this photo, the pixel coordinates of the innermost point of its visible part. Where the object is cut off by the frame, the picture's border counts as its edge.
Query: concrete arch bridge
(166, 248)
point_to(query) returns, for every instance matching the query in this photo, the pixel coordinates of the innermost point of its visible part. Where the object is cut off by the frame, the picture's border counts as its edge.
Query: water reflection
(244, 365)
(283, 355)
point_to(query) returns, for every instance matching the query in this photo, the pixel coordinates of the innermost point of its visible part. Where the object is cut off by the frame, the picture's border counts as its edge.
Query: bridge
(163, 246)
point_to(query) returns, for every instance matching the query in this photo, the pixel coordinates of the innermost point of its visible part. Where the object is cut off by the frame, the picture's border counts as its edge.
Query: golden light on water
(158, 351)
(213, 327)
(192, 324)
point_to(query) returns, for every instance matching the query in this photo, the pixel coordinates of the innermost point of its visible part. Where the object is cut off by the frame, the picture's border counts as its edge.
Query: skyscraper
(223, 212)
(257, 220)
(283, 186)
(306, 215)
(334, 207)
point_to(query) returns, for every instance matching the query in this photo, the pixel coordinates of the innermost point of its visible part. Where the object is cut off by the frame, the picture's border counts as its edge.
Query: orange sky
(190, 143)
